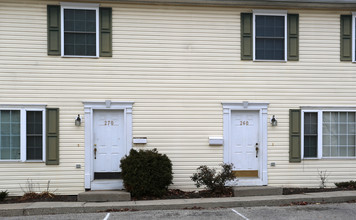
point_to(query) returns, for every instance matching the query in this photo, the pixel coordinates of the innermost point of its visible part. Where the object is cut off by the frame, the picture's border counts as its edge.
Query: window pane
(310, 134)
(269, 49)
(339, 134)
(310, 146)
(269, 26)
(34, 137)
(80, 32)
(270, 37)
(9, 134)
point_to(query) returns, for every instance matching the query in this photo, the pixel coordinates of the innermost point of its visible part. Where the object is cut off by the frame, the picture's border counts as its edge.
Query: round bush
(146, 173)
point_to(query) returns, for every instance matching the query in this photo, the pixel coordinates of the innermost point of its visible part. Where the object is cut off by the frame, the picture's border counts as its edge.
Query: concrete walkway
(45, 208)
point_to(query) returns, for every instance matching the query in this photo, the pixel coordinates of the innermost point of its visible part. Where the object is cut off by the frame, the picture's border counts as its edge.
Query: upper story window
(22, 134)
(80, 30)
(270, 35)
(328, 134)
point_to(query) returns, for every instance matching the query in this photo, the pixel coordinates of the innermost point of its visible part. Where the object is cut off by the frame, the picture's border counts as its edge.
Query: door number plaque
(108, 123)
(244, 123)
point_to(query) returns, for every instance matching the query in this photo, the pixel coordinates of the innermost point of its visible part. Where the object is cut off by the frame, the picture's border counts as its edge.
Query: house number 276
(108, 123)
(243, 122)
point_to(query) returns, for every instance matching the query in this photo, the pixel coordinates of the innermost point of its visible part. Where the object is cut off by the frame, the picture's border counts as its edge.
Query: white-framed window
(354, 37)
(79, 30)
(328, 133)
(22, 133)
(269, 35)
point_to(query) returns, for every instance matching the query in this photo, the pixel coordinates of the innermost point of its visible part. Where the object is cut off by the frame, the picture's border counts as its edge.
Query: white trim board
(269, 13)
(89, 107)
(263, 118)
(84, 6)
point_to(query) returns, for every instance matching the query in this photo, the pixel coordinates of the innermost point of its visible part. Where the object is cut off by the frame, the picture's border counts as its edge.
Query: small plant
(323, 175)
(3, 195)
(349, 184)
(211, 179)
(30, 187)
(146, 173)
(32, 191)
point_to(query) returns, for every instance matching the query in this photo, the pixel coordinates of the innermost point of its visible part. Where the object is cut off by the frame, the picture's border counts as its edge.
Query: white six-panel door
(244, 140)
(108, 140)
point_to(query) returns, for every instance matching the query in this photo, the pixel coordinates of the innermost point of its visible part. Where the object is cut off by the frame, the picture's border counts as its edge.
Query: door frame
(261, 107)
(89, 108)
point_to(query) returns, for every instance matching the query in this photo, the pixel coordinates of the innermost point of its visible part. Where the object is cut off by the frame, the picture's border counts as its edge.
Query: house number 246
(243, 122)
(108, 123)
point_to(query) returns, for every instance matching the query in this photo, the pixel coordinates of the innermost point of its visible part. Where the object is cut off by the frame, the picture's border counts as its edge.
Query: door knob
(95, 152)
(257, 149)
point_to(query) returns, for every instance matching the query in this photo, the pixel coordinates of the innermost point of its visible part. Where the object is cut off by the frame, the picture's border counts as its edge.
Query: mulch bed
(179, 194)
(39, 197)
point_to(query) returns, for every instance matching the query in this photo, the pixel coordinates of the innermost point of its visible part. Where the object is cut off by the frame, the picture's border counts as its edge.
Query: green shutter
(53, 30)
(345, 37)
(52, 138)
(105, 32)
(246, 36)
(294, 135)
(293, 37)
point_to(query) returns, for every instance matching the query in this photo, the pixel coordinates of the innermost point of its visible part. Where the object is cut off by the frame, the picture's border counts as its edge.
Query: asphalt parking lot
(342, 211)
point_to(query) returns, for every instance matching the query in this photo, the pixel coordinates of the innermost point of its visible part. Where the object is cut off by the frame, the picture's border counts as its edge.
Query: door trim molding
(89, 108)
(261, 107)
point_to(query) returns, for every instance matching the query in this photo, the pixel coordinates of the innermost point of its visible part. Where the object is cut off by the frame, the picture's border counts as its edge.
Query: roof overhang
(290, 4)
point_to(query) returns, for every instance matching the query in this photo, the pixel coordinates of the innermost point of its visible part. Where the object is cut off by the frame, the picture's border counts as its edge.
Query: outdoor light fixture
(274, 121)
(78, 121)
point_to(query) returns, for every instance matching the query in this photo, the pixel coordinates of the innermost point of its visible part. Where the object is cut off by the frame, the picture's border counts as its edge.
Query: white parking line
(244, 217)
(107, 216)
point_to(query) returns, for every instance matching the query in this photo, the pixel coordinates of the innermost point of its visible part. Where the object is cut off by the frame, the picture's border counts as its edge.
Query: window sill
(279, 61)
(92, 57)
(20, 161)
(338, 158)
(331, 158)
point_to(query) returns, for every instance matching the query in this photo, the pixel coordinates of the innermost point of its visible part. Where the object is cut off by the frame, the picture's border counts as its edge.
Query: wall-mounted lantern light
(274, 121)
(78, 121)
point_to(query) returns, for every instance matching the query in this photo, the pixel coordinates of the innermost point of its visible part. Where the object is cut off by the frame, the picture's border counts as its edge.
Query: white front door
(108, 141)
(245, 144)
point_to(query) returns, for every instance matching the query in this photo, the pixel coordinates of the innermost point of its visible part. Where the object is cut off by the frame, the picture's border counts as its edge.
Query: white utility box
(139, 140)
(216, 141)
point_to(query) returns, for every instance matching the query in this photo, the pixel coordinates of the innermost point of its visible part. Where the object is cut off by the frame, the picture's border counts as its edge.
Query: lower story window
(10, 135)
(329, 134)
(34, 135)
(22, 134)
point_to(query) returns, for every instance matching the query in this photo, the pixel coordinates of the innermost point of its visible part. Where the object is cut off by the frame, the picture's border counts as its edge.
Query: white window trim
(23, 145)
(320, 126)
(271, 13)
(353, 37)
(69, 5)
(320, 129)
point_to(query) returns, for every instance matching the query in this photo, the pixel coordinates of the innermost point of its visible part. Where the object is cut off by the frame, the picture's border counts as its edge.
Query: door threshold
(107, 184)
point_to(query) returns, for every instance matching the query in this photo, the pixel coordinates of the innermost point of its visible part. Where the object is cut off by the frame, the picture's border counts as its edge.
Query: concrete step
(240, 191)
(104, 196)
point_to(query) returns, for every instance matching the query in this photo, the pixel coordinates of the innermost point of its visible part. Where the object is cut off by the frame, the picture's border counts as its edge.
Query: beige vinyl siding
(177, 64)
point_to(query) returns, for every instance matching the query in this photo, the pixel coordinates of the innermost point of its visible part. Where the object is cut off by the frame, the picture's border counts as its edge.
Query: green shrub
(3, 195)
(349, 184)
(211, 179)
(146, 173)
